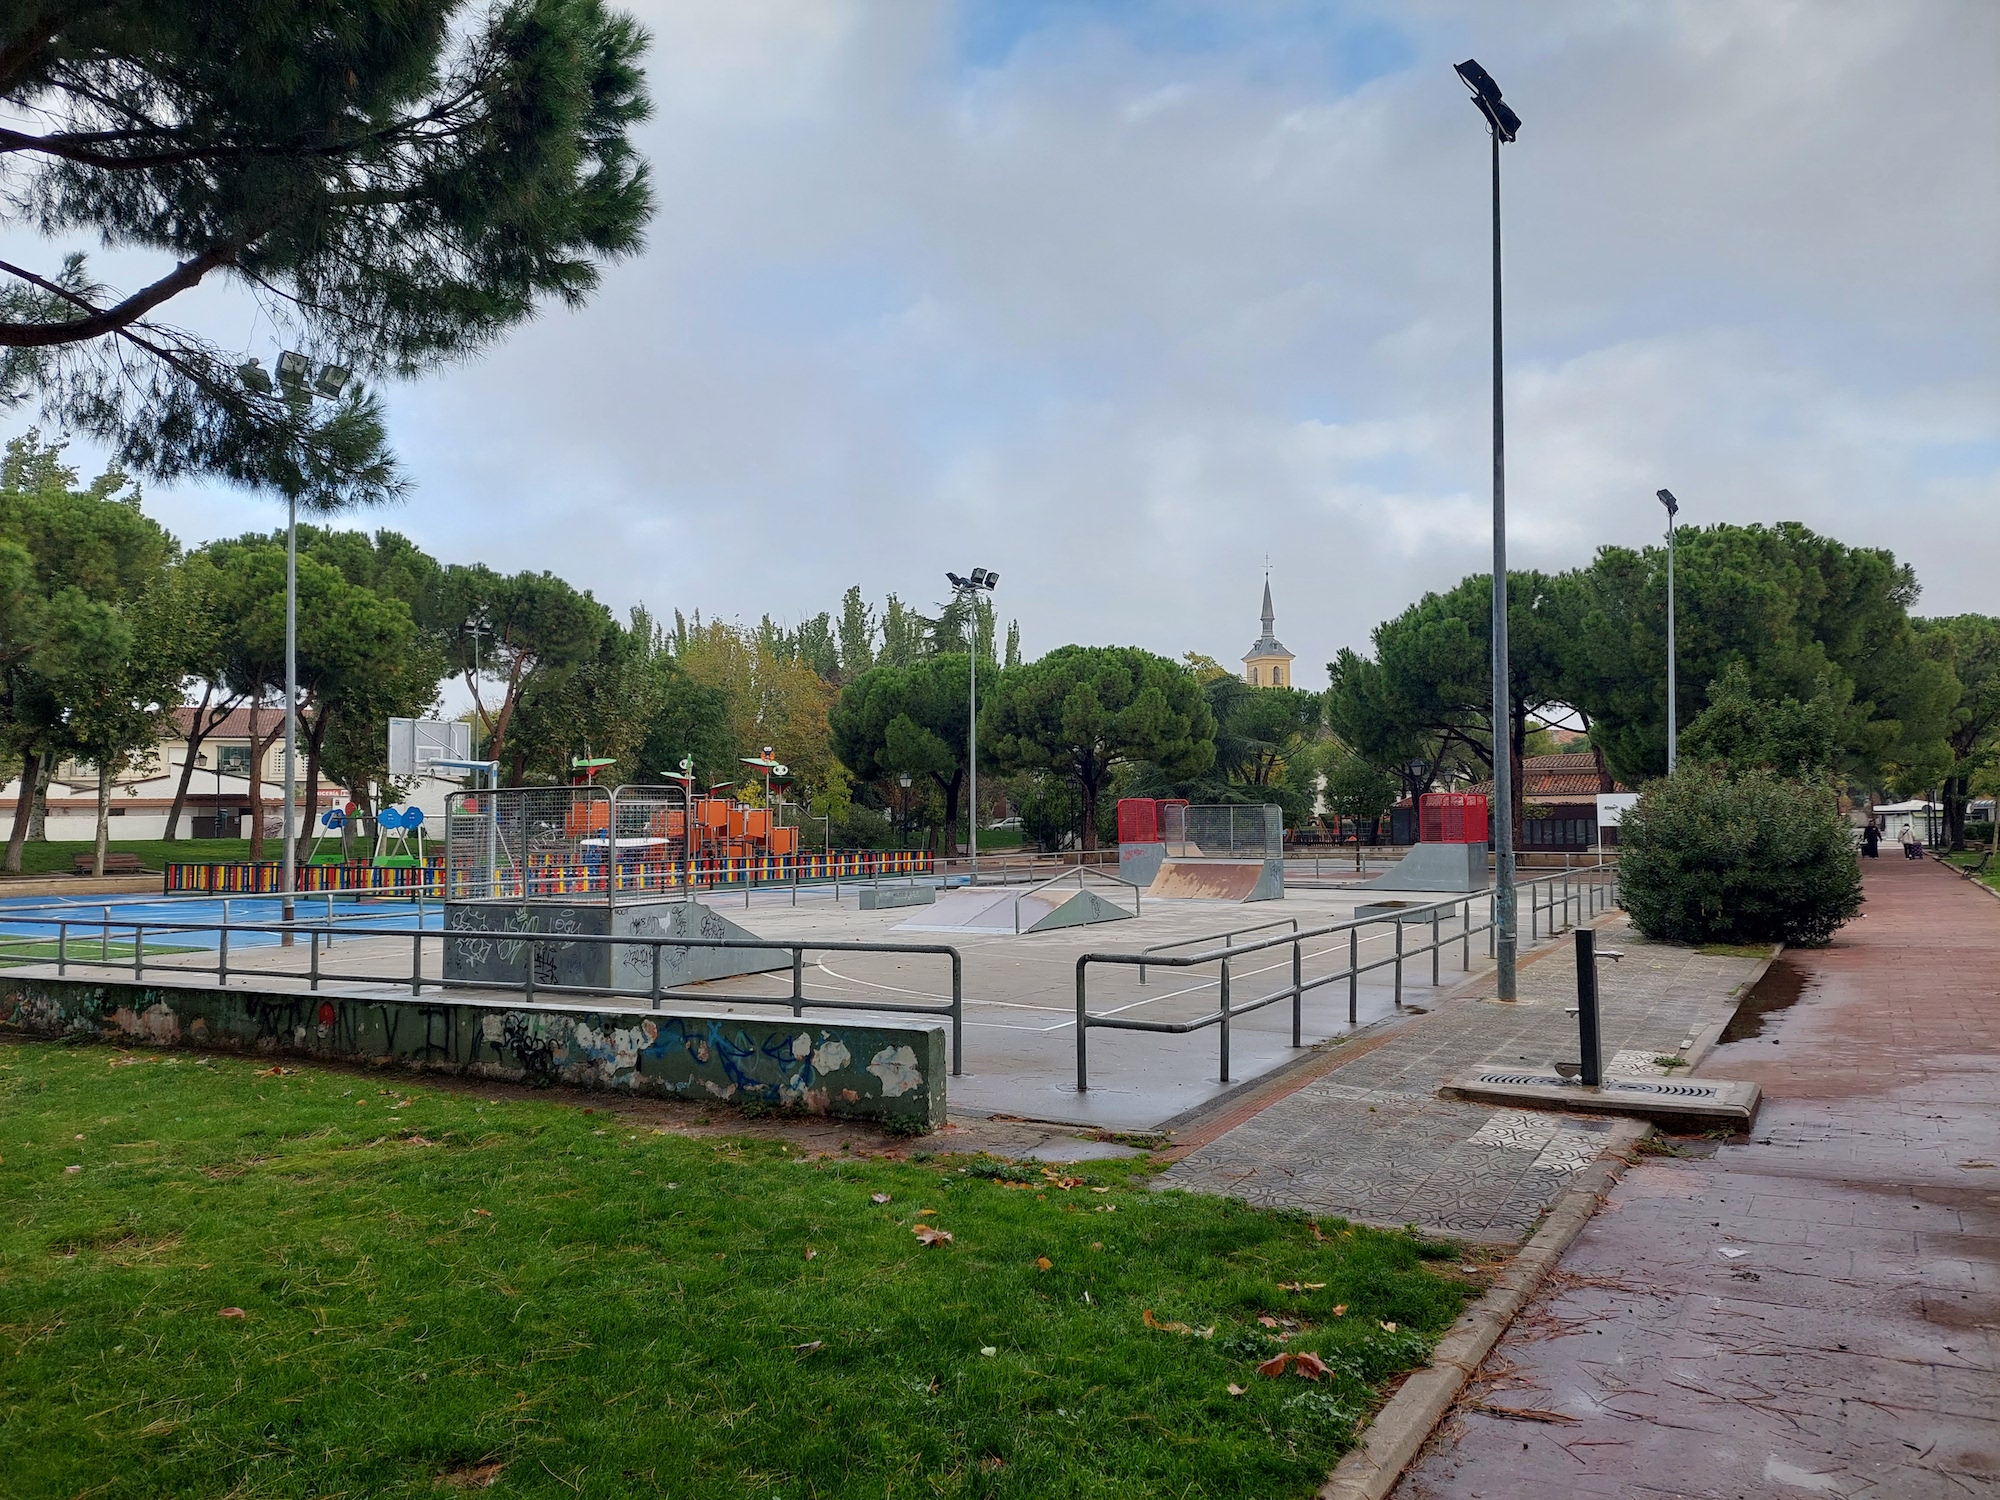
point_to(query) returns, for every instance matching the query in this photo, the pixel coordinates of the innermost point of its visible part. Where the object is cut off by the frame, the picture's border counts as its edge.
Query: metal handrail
(1584, 896)
(1212, 936)
(1079, 872)
(528, 987)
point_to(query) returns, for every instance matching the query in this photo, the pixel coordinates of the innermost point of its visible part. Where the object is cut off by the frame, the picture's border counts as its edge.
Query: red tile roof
(1547, 777)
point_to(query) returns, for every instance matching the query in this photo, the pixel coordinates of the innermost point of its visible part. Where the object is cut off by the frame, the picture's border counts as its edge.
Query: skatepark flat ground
(1019, 992)
(1020, 999)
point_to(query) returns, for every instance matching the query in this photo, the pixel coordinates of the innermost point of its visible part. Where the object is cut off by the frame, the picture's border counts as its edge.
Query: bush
(1710, 858)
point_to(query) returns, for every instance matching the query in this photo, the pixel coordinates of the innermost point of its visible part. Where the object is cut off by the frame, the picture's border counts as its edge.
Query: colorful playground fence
(552, 878)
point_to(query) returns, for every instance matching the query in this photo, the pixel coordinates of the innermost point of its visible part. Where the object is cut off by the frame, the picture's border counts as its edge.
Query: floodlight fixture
(1486, 98)
(1673, 506)
(292, 368)
(331, 380)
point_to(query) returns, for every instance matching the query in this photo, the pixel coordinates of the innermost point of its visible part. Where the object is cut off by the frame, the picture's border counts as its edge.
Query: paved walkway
(1813, 1311)
(1370, 1140)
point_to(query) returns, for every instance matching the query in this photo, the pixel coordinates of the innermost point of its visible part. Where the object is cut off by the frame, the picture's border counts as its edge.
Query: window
(1253, 677)
(1277, 677)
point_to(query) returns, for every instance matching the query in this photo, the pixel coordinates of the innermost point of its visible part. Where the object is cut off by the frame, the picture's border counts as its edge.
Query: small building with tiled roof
(1559, 794)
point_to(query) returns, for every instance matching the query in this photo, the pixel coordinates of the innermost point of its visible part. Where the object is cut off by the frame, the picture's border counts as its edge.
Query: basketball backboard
(415, 743)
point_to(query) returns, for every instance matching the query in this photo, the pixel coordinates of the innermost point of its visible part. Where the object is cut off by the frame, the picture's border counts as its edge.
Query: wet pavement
(1369, 1140)
(1813, 1309)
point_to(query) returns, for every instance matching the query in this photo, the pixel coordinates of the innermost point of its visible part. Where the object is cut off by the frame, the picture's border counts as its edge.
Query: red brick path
(1815, 1311)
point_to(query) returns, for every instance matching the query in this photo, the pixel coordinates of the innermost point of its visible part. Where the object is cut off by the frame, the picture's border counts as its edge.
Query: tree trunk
(38, 813)
(948, 788)
(1089, 790)
(315, 736)
(31, 773)
(256, 777)
(1955, 794)
(200, 727)
(103, 816)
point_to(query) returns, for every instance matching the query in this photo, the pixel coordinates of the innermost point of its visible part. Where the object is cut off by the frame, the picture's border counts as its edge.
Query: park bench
(120, 863)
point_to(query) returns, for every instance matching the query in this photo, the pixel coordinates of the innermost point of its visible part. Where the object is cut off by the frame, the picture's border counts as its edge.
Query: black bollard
(1586, 1008)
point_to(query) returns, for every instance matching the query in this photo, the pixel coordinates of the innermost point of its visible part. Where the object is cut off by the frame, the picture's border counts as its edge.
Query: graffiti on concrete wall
(851, 1069)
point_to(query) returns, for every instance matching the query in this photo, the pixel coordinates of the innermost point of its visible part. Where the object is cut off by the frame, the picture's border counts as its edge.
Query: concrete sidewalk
(1368, 1138)
(1814, 1310)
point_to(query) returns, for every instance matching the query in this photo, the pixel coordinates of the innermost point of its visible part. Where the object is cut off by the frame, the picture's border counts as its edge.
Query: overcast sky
(1121, 298)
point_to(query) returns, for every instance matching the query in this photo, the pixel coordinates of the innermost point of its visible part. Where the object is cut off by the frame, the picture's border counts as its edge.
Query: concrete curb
(1401, 1428)
(1968, 877)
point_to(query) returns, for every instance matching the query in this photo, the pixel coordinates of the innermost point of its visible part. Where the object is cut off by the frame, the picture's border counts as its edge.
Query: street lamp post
(293, 368)
(969, 589)
(1503, 125)
(1673, 706)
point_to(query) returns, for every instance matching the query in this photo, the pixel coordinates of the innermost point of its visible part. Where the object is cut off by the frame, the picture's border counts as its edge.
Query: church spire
(1268, 663)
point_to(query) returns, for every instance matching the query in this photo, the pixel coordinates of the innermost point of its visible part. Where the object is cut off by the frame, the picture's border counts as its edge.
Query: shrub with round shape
(1709, 858)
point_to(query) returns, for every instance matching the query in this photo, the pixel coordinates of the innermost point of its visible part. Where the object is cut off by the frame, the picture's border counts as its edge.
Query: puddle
(1779, 989)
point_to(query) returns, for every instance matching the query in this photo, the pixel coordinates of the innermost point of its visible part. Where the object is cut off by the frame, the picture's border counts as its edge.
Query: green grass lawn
(432, 1284)
(1968, 858)
(57, 856)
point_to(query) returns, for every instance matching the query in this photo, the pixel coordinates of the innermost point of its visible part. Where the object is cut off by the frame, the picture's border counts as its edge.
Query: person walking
(1871, 841)
(1913, 847)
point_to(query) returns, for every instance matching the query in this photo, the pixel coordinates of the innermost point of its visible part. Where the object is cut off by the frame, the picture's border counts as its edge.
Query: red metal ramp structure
(1187, 853)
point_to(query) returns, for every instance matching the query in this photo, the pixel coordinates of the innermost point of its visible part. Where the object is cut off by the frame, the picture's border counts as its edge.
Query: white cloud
(1119, 314)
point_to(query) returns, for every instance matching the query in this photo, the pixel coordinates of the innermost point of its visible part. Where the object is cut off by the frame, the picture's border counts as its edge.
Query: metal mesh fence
(1249, 831)
(528, 842)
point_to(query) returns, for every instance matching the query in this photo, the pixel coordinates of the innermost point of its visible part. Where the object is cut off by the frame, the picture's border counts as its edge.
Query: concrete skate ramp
(1219, 880)
(992, 911)
(1436, 867)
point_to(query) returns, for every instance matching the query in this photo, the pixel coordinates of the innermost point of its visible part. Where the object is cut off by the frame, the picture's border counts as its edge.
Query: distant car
(1004, 823)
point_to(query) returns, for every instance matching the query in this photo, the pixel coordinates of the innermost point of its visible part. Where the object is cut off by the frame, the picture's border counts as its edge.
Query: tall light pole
(1503, 125)
(1673, 706)
(293, 369)
(968, 590)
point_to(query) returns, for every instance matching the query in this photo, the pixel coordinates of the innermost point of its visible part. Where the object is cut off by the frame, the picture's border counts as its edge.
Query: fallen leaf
(1309, 1365)
(1153, 1322)
(922, 1211)
(1043, 1263)
(1237, 1390)
(1097, 1244)
(1301, 1286)
(989, 1351)
(480, 1477)
(485, 1213)
(1274, 1366)
(1268, 1321)
(811, 1254)
(878, 1197)
(68, 1170)
(1470, 1270)
(802, 1350)
(1100, 1190)
(1388, 1327)
(232, 1312)
(992, 1465)
(926, 1235)
(1317, 1235)
(1340, 1311)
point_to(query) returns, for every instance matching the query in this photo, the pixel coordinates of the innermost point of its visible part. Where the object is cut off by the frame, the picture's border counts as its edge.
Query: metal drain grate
(1672, 1090)
(1621, 1085)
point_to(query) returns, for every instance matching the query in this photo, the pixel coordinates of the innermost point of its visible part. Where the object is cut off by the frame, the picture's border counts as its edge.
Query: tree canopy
(912, 719)
(395, 182)
(1083, 711)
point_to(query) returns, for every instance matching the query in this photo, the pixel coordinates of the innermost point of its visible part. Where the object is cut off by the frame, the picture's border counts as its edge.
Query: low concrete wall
(888, 897)
(890, 1075)
(492, 952)
(1437, 867)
